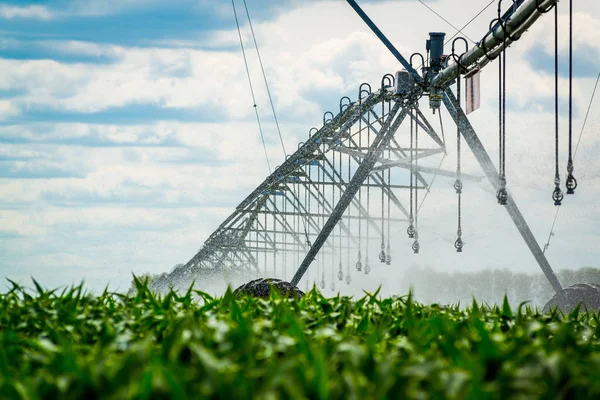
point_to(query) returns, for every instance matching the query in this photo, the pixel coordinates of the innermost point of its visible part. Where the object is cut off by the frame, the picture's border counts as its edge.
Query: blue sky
(127, 131)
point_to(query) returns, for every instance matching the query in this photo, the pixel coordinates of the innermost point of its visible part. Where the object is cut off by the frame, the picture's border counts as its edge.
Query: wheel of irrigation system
(262, 288)
(586, 294)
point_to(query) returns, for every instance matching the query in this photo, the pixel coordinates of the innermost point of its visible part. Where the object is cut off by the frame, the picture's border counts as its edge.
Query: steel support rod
(353, 187)
(470, 136)
(384, 39)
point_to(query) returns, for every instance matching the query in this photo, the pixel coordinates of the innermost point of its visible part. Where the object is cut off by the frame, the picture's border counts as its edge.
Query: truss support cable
(265, 78)
(250, 83)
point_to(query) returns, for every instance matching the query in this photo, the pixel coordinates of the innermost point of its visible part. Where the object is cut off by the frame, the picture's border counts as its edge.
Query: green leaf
(506, 310)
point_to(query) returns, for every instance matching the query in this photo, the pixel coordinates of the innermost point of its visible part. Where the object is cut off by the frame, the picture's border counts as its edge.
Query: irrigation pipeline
(493, 43)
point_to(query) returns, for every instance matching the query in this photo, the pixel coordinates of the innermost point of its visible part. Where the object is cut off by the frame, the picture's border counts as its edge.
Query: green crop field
(68, 344)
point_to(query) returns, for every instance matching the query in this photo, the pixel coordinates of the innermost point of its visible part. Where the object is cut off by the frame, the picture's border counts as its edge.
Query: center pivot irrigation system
(337, 202)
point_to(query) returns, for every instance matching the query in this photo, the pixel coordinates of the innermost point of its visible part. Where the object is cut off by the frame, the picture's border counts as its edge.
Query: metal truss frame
(291, 218)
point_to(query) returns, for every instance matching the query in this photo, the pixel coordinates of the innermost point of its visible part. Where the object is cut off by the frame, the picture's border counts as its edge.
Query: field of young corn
(68, 344)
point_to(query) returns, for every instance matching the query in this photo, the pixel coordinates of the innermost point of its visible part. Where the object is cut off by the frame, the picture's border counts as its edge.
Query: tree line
(489, 285)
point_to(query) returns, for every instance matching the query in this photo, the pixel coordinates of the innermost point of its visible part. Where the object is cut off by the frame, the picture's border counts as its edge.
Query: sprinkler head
(411, 231)
(571, 184)
(358, 266)
(416, 247)
(382, 256)
(458, 245)
(502, 196)
(458, 186)
(557, 196)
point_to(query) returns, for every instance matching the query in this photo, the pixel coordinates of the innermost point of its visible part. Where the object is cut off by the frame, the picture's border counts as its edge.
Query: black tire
(262, 288)
(586, 294)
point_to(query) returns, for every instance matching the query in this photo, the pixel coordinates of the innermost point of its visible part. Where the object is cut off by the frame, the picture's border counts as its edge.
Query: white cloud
(8, 109)
(95, 8)
(28, 12)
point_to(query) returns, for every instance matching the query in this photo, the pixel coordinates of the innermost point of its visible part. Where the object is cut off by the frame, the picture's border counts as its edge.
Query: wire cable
(262, 136)
(265, 78)
(446, 21)
(586, 114)
(574, 155)
(469, 23)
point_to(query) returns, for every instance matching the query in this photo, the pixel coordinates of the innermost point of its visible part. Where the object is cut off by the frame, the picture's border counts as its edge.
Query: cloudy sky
(127, 132)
